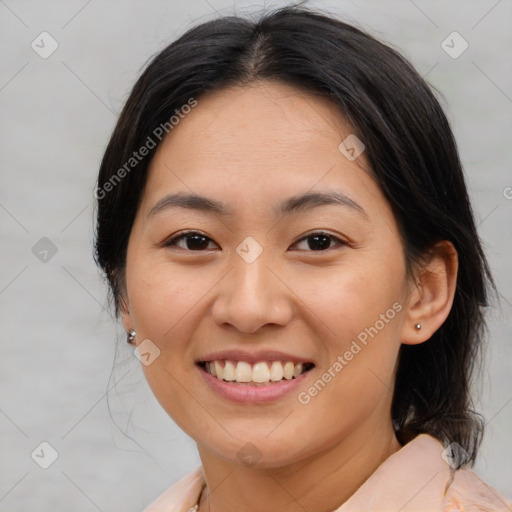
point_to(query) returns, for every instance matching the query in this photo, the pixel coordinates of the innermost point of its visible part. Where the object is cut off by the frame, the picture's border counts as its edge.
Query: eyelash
(173, 241)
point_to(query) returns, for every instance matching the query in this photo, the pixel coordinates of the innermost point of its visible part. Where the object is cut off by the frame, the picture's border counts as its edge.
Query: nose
(252, 296)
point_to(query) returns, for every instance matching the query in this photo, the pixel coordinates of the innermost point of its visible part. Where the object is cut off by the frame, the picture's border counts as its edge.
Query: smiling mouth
(261, 373)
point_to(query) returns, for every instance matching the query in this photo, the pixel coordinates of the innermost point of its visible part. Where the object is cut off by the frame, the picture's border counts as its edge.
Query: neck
(322, 482)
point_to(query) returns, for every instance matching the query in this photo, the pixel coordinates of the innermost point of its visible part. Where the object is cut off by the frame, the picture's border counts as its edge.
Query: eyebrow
(291, 205)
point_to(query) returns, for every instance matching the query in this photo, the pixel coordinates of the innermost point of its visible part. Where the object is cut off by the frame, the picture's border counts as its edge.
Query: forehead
(260, 120)
(258, 143)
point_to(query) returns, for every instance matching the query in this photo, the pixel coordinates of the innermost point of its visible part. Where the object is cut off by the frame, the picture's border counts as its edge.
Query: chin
(258, 452)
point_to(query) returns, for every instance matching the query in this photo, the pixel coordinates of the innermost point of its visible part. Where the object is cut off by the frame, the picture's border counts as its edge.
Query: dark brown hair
(410, 149)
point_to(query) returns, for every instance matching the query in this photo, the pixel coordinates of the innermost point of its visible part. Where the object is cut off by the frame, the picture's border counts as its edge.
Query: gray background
(58, 340)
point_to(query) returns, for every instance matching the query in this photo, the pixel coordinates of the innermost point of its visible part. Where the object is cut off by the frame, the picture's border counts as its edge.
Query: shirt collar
(414, 478)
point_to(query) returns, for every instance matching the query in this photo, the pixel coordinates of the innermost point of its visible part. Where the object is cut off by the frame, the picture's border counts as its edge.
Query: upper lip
(252, 357)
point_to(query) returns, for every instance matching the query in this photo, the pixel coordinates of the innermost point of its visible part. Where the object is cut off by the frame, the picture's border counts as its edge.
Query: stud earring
(417, 327)
(131, 336)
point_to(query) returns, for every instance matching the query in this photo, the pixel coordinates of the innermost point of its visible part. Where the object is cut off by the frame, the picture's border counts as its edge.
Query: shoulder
(418, 478)
(181, 496)
(468, 493)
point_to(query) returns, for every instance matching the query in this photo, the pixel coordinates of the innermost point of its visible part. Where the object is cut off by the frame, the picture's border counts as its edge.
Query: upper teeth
(242, 371)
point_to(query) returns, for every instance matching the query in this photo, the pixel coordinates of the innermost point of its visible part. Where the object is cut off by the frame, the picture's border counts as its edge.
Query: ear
(431, 298)
(125, 314)
(124, 308)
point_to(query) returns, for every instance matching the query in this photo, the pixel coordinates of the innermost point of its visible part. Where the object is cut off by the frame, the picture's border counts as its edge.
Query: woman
(285, 228)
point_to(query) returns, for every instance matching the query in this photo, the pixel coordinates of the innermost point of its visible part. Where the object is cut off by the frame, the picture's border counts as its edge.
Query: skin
(252, 147)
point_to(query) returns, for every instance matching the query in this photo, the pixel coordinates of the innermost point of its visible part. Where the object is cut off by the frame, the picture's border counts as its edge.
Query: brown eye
(193, 241)
(320, 241)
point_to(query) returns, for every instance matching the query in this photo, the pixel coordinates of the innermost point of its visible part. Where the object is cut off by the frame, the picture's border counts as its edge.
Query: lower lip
(245, 393)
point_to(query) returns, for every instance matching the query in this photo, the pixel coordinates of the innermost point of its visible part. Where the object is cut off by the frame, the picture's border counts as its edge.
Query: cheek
(160, 297)
(359, 310)
(353, 296)
(356, 377)
(163, 303)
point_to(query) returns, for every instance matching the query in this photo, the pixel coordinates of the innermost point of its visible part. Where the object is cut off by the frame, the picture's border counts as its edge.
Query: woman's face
(273, 278)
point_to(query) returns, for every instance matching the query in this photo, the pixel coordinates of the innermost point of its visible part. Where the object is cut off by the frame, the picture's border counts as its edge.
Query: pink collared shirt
(414, 479)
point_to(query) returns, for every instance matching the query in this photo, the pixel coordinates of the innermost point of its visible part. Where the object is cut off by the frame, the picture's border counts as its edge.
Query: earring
(131, 336)
(417, 327)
